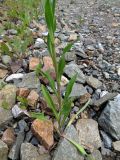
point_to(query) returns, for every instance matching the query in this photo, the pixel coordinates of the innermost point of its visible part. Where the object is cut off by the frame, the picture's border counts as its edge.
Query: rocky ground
(94, 26)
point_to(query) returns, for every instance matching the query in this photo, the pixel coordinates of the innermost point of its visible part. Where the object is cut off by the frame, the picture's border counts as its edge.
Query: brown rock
(33, 62)
(8, 136)
(73, 37)
(3, 73)
(43, 130)
(48, 64)
(45, 81)
(32, 98)
(23, 92)
(84, 98)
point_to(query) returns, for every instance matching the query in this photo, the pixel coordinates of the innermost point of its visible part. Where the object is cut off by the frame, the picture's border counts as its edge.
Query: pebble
(14, 76)
(116, 146)
(48, 64)
(32, 99)
(23, 92)
(3, 151)
(33, 63)
(3, 73)
(93, 82)
(6, 59)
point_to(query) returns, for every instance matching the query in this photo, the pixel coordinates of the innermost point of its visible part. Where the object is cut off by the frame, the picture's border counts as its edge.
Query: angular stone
(5, 116)
(109, 119)
(116, 146)
(43, 130)
(64, 81)
(23, 92)
(30, 152)
(8, 96)
(88, 134)
(97, 155)
(73, 37)
(3, 151)
(8, 137)
(33, 62)
(32, 98)
(73, 69)
(84, 98)
(48, 64)
(14, 76)
(65, 150)
(93, 82)
(6, 59)
(107, 140)
(3, 73)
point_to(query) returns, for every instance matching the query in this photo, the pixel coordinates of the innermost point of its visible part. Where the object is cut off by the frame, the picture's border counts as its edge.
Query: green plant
(23, 102)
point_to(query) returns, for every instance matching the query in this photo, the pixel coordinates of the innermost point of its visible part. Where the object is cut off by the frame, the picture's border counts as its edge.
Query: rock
(116, 146)
(65, 150)
(100, 47)
(118, 71)
(16, 65)
(96, 155)
(12, 31)
(109, 119)
(15, 150)
(23, 92)
(93, 82)
(5, 117)
(73, 37)
(33, 62)
(70, 56)
(39, 43)
(14, 76)
(30, 81)
(6, 59)
(84, 98)
(3, 73)
(48, 64)
(8, 96)
(73, 69)
(3, 151)
(107, 141)
(108, 154)
(104, 99)
(88, 134)
(8, 137)
(32, 98)
(23, 126)
(30, 152)
(18, 112)
(64, 81)
(78, 90)
(43, 130)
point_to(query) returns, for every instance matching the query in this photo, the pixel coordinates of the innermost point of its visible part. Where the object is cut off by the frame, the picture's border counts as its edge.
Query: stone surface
(93, 82)
(96, 155)
(84, 98)
(32, 98)
(88, 134)
(23, 92)
(5, 116)
(109, 119)
(65, 150)
(73, 37)
(73, 69)
(43, 130)
(3, 73)
(6, 59)
(8, 137)
(18, 112)
(33, 62)
(30, 152)
(48, 64)
(14, 76)
(107, 141)
(8, 96)
(116, 146)
(3, 151)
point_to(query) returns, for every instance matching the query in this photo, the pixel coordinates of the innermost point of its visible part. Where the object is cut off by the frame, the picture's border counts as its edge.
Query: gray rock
(107, 141)
(30, 81)
(72, 69)
(116, 146)
(65, 150)
(93, 82)
(23, 126)
(96, 155)
(15, 150)
(3, 151)
(5, 116)
(78, 90)
(88, 134)
(6, 59)
(12, 31)
(30, 152)
(109, 119)
(70, 56)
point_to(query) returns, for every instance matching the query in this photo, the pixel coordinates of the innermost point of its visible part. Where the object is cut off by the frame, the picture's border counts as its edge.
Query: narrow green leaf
(4, 48)
(67, 48)
(49, 101)
(38, 115)
(38, 70)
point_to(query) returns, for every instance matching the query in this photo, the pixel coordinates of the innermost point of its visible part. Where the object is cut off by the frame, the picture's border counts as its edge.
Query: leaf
(38, 70)
(23, 101)
(4, 47)
(38, 115)
(67, 48)
(49, 101)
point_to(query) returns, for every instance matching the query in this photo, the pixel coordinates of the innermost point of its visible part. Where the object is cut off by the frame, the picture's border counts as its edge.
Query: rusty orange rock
(48, 64)
(23, 92)
(33, 63)
(32, 98)
(43, 130)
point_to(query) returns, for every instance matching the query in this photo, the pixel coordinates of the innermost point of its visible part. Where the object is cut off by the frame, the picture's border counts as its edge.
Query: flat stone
(116, 146)
(3, 151)
(65, 150)
(43, 130)
(84, 98)
(93, 82)
(107, 140)
(30, 81)
(3, 73)
(73, 37)
(32, 98)
(5, 116)
(30, 152)
(8, 96)
(14, 76)
(33, 62)
(48, 64)
(6, 59)
(23, 92)
(8, 136)
(96, 155)
(109, 119)
(70, 56)
(88, 134)
(73, 69)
